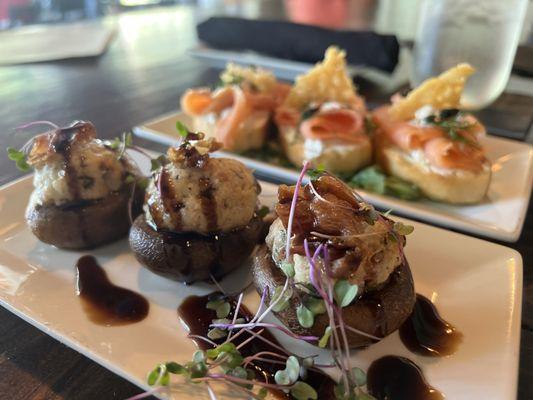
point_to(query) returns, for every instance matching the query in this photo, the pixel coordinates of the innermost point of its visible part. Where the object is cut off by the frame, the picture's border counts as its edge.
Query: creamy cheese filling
(93, 172)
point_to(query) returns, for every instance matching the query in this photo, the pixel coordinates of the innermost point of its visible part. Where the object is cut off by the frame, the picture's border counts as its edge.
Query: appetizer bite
(424, 138)
(200, 220)
(85, 188)
(323, 120)
(238, 113)
(328, 240)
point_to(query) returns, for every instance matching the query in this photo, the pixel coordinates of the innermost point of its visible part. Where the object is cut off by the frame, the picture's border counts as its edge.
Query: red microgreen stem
(293, 210)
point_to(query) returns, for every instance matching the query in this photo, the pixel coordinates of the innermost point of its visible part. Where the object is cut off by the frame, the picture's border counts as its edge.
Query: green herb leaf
(216, 333)
(402, 189)
(371, 179)
(375, 180)
(14, 154)
(223, 310)
(182, 129)
(19, 157)
(175, 368)
(288, 269)
(262, 393)
(165, 379)
(263, 211)
(198, 356)
(323, 342)
(197, 369)
(359, 376)
(225, 347)
(290, 374)
(282, 377)
(214, 304)
(308, 113)
(129, 179)
(315, 305)
(305, 317)
(284, 300)
(142, 183)
(303, 391)
(158, 162)
(344, 292)
(23, 165)
(153, 376)
(317, 172)
(402, 229)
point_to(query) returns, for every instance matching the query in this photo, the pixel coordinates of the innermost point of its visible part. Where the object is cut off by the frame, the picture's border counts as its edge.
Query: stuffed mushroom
(85, 188)
(338, 244)
(200, 220)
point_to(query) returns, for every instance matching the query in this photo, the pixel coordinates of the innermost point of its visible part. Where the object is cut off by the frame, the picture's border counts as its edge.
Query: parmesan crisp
(326, 81)
(441, 92)
(263, 80)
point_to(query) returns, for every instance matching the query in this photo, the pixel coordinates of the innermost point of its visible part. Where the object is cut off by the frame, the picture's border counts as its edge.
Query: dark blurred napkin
(298, 42)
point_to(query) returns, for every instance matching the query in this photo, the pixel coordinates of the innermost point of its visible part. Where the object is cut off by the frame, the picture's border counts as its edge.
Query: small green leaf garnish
(263, 211)
(284, 300)
(182, 129)
(288, 269)
(344, 292)
(216, 333)
(317, 172)
(129, 178)
(323, 342)
(175, 368)
(223, 310)
(402, 229)
(359, 376)
(156, 163)
(19, 157)
(315, 305)
(303, 391)
(142, 182)
(290, 374)
(305, 316)
(308, 113)
(225, 347)
(375, 180)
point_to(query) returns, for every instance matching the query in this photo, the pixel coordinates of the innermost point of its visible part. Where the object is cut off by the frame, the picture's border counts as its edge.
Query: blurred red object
(327, 13)
(348, 14)
(5, 6)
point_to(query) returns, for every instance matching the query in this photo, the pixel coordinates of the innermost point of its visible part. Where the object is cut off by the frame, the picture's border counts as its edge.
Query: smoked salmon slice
(440, 149)
(336, 124)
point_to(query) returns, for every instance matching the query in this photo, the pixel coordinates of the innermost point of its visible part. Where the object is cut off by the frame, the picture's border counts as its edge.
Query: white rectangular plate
(500, 216)
(476, 285)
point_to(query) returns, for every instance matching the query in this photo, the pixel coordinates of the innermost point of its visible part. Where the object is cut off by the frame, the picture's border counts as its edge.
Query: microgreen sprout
(224, 362)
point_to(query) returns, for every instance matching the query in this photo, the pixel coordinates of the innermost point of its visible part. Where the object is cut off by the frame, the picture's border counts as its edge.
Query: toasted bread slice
(454, 186)
(336, 157)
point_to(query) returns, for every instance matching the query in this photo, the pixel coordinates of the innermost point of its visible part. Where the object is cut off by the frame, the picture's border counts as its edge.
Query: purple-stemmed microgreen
(324, 295)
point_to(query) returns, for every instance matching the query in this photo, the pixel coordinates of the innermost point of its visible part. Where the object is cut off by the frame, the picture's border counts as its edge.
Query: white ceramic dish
(500, 216)
(476, 285)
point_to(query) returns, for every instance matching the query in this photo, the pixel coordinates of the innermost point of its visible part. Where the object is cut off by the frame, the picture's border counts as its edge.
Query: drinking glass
(484, 33)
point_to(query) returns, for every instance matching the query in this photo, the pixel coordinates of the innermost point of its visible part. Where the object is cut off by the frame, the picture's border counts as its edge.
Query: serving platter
(476, 285)
(500, 216)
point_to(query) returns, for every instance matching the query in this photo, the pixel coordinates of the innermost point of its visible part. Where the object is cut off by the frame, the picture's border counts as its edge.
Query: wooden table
(141, 76)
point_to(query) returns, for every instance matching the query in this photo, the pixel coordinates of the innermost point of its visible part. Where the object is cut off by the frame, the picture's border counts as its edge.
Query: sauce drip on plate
(105, 303)
(426, 333)
(197, 318)
(397, 378)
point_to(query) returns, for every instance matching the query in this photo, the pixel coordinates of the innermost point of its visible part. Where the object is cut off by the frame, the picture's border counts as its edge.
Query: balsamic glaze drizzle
(105, 303)
(426, 333)
(398, 378)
